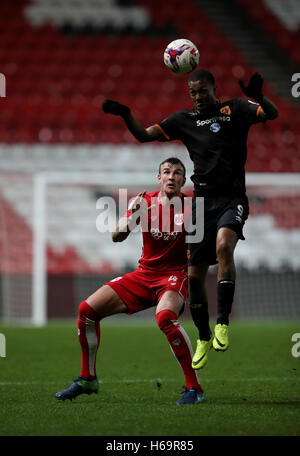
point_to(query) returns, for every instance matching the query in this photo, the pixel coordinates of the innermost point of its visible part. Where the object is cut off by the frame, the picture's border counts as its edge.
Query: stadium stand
(281, 19)
(54, 97)
(62, 58)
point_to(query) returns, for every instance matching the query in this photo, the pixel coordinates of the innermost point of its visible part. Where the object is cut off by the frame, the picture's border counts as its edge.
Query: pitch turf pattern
(251, 389)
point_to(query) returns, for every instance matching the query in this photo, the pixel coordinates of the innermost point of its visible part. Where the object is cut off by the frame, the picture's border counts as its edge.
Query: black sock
(225, 293)
(200, 317)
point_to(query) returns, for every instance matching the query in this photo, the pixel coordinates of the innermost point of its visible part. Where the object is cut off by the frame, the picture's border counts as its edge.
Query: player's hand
(139, 206)
(254, 87)
(114, 107)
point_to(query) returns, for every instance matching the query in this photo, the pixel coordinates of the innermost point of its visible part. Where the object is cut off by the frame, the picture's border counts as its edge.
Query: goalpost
(49, 236)
(42, 181)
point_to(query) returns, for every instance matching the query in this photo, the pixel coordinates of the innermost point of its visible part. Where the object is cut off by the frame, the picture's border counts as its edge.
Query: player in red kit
(160, 280)
(215, 134)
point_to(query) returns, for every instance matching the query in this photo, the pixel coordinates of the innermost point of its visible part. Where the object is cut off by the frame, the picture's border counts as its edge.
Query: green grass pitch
(253, 389)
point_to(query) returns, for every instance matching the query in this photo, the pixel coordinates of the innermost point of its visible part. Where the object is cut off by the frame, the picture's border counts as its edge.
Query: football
(181, 56)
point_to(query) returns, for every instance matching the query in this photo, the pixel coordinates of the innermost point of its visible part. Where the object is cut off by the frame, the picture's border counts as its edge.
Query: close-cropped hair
(201, 74)
(173, 161)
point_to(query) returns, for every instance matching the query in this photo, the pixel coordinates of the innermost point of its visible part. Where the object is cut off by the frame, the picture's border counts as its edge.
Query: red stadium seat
(57, 82)
(285, 38)
(68, 72)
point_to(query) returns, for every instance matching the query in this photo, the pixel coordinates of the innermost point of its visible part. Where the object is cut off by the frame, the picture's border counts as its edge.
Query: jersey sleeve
(249, 111)
(170, 127)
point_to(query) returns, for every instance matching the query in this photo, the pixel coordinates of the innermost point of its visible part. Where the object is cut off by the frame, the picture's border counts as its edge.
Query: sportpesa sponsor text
(201, 123)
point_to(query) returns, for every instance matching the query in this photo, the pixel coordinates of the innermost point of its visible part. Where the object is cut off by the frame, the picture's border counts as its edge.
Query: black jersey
(217, 144)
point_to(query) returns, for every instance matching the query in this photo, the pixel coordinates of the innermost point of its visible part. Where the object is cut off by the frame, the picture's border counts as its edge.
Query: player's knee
(224, 250)
(166, 320)
(86, 313)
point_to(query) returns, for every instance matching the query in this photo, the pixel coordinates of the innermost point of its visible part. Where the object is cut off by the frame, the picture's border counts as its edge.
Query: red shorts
(142, 289)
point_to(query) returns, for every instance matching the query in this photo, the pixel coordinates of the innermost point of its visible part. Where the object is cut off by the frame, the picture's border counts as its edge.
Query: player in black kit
(215, 135)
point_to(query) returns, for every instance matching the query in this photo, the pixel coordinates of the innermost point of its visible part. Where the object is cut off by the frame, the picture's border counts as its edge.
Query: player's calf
(180, 346)
(89, 339)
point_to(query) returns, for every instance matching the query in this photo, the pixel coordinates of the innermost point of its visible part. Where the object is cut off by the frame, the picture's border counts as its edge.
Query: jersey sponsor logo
(165, 236)
(202, 123)
(215, 127)
(225, 110)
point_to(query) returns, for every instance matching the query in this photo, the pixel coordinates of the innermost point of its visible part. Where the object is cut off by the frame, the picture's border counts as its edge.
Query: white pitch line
(160, 380)
(129, 380)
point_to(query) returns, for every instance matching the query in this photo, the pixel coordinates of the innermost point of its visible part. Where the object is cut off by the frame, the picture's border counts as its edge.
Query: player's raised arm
(254, 90)
(128, 222)
(141, 133)
(122, 230)
(269, 110)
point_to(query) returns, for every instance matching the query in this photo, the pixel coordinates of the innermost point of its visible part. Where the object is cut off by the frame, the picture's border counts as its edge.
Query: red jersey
(164, 246)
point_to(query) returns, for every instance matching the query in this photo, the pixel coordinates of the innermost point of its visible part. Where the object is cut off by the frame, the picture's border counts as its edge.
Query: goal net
(54, 252)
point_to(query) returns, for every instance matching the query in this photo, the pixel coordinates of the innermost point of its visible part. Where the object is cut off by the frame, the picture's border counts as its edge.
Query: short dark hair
(197, 75)
(173, 161)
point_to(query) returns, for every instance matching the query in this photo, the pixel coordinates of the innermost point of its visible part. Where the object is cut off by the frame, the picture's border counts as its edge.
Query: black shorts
(219, 212)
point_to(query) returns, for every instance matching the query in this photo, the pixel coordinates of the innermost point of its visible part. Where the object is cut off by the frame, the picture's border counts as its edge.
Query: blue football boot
(191, 396)
(79, 386)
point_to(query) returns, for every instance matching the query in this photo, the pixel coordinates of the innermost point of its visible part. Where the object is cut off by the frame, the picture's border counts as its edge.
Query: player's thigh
(233, 218)
(170, 300)
(105, 301)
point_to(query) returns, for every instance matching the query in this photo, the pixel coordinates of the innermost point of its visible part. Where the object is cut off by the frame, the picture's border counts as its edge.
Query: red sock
(180, 345)
(89, 339)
